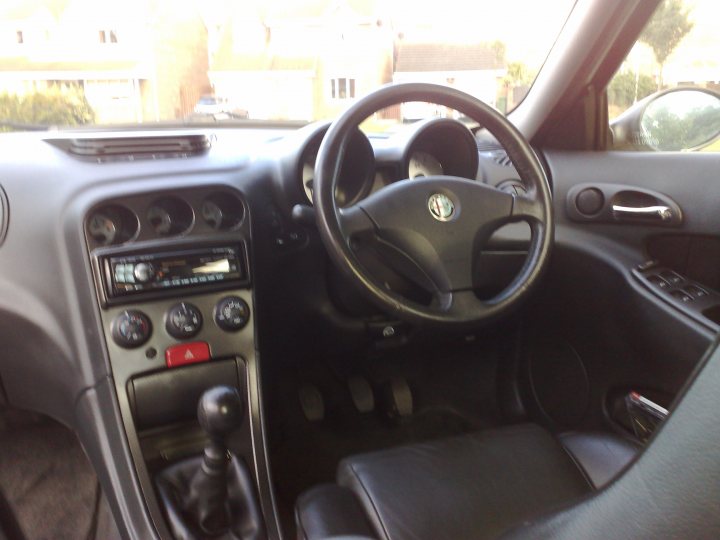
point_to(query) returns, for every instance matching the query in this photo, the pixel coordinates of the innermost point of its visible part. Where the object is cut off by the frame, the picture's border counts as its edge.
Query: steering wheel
(438, 224)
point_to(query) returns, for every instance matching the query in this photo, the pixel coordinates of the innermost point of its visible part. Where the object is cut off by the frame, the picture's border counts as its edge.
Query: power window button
(695, 291)
(682, 296)
(658, 281)
(672, 278)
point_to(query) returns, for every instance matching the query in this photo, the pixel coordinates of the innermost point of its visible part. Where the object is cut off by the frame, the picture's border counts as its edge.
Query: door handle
(660, 212)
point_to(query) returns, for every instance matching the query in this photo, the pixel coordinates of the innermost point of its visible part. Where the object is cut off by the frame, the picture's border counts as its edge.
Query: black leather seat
(475, 486)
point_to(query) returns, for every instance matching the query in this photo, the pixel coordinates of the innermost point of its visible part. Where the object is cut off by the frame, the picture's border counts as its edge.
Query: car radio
(137, 273)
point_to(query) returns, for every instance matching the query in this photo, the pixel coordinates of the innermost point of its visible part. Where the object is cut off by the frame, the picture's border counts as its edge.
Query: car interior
(476, 326)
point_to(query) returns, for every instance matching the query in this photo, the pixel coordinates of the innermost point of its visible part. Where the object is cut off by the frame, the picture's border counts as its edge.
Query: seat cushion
(601, 456)
(330, 511)
(475, 486)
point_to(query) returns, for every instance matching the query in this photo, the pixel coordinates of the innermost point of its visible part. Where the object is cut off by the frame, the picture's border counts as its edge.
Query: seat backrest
(671, 491)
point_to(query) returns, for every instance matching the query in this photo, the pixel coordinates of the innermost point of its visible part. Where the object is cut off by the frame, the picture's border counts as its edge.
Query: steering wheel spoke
(457, 303)
(527, 208)
(354, 221)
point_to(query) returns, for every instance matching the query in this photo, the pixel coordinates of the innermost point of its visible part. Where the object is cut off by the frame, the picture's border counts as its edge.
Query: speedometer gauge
(423, 164)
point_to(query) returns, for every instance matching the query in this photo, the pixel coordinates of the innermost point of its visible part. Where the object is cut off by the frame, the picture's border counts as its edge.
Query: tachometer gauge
(423, 164)
(102, 229)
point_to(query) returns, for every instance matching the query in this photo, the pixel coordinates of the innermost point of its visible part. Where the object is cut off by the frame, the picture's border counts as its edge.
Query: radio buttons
(232, 313)
(183, 320)
(131, 329)
(144, 272)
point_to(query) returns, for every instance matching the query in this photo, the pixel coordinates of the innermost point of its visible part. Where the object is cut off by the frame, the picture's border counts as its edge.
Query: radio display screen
(129, 274)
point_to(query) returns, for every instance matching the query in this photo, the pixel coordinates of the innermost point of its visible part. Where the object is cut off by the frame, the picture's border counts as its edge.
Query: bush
(621, 90)
(54, 107)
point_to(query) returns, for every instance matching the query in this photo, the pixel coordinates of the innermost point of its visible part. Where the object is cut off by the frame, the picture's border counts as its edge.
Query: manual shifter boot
(212, 496)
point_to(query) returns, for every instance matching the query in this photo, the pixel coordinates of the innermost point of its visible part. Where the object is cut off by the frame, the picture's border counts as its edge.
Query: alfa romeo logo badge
(441, 207)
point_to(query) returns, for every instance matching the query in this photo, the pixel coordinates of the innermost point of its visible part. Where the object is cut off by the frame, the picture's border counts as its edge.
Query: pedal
(362, 394)
(398, 399)
(312, 403)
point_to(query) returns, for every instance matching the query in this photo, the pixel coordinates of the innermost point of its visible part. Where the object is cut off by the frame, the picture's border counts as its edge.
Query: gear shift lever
(213, 495)
(219, 411)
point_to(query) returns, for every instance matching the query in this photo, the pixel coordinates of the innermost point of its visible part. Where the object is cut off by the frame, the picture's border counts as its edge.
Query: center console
(174, 285)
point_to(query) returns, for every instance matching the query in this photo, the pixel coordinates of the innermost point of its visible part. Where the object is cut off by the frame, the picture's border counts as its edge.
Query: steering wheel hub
(441, 207)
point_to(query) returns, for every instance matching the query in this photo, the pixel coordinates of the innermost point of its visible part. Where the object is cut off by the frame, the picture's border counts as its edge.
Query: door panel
(598, 317)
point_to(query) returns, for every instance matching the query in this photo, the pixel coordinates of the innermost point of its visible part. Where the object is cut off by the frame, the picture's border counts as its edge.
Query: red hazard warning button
(187, 353)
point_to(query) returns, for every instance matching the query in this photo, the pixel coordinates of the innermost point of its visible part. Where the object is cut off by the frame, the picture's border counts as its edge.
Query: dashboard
(137, 279)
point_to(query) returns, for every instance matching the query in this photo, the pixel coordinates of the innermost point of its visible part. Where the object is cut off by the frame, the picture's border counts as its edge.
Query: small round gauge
(102, 229)
(212, 213)
(160, 219)
(170, 215)
(222, 211)
(111, 224)
(423, 164)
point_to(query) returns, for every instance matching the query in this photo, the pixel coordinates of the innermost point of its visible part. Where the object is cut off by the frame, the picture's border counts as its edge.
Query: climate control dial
(232, 313)
(183, 320)
(131, 329)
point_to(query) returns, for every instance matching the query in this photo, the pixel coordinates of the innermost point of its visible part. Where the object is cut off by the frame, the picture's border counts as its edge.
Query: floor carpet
(48, 486)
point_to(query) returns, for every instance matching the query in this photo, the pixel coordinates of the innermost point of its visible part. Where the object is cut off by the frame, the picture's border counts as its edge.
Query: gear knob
(220, 411)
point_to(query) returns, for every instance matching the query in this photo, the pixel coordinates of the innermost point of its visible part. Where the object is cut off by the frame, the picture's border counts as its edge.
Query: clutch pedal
(312, 403)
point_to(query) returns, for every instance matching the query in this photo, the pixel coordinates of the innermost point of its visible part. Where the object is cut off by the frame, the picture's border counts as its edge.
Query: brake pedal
(312, 403)
(398, 398)
(362, 394)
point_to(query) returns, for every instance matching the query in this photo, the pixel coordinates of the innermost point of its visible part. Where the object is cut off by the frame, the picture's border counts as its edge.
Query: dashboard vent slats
(501, 158)
(144, 147)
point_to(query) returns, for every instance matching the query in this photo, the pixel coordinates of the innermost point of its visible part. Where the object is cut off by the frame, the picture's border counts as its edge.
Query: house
(311, 60)
(133, 60)
(476, 68)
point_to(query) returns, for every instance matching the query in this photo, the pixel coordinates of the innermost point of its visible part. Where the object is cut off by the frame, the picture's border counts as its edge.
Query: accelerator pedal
(362, 394)
(312, 403)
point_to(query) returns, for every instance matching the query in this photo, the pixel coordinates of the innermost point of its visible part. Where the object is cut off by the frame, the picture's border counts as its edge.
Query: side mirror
(680, 119)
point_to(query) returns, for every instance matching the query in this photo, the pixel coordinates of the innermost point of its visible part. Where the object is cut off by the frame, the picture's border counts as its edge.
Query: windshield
(76, 62)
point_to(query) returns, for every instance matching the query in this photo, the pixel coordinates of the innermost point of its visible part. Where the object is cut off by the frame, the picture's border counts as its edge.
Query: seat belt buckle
(645, 414)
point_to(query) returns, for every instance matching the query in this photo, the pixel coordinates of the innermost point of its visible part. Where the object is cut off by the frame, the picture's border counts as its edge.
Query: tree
(55, 107)
(667, 28)
(500, 50)
(517, 74)
(627, 87)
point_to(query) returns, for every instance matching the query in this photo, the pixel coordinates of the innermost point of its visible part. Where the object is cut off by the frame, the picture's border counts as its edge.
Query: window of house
(107, 36)
(342, 88)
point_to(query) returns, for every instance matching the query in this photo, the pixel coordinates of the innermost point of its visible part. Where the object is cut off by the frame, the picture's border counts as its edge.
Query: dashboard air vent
(487, 145)
(138, 147)
(501, 158)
